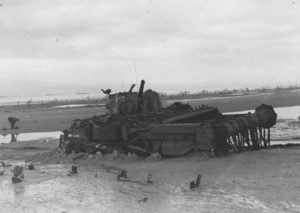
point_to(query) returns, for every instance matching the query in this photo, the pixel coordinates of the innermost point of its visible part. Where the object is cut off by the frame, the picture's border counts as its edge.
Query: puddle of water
(43, 136)
(282, 112)
(78, 105)
(213, 98)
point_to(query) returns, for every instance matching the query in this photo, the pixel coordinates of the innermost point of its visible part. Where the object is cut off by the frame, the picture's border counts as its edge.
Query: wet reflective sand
(30, 136)
(238, 183)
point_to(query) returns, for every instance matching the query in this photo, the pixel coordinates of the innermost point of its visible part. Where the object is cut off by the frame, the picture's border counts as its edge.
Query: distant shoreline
(79, 97)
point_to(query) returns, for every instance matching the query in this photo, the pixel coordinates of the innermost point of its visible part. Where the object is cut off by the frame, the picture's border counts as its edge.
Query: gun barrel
(140, 96)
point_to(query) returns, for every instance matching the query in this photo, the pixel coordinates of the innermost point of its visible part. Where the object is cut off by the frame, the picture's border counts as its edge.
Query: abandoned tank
(136, 122)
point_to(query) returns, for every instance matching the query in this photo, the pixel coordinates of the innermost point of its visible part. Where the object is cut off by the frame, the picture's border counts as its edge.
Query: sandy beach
(255, 181)
(149, 106)
(259, 181)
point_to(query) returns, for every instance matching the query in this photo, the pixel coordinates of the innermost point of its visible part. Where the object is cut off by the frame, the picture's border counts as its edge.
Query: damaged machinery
(136, 122)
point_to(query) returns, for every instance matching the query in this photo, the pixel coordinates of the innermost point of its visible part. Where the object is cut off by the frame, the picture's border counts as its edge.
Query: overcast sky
(50, 46)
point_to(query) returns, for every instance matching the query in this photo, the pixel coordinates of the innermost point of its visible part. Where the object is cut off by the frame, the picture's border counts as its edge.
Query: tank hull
(175, 133)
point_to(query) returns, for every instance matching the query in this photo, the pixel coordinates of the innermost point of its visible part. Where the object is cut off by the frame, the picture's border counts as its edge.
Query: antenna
(136, 78)
(127, 58)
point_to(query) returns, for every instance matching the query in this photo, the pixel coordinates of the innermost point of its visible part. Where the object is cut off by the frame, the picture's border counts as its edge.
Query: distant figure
(107, 92)
(13, 121)
(13, 138)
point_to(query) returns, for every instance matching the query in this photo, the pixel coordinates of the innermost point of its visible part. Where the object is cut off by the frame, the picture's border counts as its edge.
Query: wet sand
(260, 181)
(254, 181)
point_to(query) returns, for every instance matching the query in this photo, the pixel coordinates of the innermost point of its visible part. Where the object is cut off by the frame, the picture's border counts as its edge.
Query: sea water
(287, 128)
(15, 100)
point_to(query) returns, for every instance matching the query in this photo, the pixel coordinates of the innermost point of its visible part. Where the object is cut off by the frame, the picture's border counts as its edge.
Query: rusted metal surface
(136, 122)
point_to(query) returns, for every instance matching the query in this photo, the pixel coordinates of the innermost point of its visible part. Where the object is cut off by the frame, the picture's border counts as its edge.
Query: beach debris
(18, 174)
(99, 154)
(132, 156)
(31, 167)
(196, 184)
(115, 154)
(122, 176)
(15, 179)
(90, 157)
(13, 120)
(143, 200)
(73, 171)
(155, 156)
(5, 164)
(150, 179)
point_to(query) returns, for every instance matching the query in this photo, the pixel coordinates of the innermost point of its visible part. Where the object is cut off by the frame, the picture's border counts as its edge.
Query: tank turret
(131, 103)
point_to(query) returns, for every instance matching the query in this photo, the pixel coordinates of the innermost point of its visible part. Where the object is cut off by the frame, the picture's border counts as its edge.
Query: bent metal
(136, 122)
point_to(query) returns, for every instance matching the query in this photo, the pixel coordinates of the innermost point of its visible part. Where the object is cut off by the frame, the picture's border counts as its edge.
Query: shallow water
(287, 128)
(79, 105)
(282, 112)
(212, 98)
(14, 100)
(42, 136)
